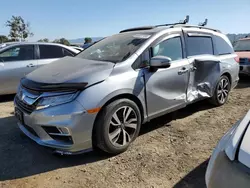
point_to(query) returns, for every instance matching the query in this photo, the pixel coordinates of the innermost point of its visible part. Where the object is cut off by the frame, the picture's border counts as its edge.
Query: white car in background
(229, 165)
(20, 58)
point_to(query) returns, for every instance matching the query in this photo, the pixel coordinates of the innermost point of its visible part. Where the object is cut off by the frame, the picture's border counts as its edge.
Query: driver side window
(171, 48)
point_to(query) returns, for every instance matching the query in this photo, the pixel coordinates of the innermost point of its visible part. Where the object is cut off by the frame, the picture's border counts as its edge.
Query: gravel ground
(171, 151)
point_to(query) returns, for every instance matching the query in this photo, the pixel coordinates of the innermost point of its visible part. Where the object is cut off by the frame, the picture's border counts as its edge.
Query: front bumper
(67, 128)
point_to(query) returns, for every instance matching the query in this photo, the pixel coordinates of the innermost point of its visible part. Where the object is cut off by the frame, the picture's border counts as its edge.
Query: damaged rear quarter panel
(203, 77)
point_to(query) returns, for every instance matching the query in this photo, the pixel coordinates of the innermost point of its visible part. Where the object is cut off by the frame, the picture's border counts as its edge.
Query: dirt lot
(171, 151)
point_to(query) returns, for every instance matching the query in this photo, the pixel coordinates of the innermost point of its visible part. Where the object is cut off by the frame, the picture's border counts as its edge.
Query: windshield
(242, 45)
(115, 48)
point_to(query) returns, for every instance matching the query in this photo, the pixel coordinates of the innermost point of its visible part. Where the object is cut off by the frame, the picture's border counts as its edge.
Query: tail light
(237, 59)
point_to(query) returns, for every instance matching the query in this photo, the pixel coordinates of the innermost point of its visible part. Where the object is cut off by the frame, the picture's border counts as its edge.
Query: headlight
(55, 100)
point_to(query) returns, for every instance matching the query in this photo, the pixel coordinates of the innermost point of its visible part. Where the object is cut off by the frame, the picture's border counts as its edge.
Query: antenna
(203, 23)
(186, 20)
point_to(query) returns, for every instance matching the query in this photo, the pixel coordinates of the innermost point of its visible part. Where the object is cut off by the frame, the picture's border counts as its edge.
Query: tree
(3, 39)
(19, 29)
(87, 40)
(43, 40)
(62, 41)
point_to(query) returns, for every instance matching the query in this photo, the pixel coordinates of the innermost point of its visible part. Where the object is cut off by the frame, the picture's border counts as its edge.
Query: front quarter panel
(128, 82)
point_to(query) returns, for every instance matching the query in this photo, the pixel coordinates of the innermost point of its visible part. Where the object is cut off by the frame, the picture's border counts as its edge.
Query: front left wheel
(117, 125)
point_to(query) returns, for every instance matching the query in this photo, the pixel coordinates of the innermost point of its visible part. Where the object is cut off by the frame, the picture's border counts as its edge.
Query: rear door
(166, 88)
(15, 63)
(205, 67)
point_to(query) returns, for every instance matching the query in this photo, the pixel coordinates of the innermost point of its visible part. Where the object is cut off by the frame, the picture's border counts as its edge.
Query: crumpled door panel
(203, 77)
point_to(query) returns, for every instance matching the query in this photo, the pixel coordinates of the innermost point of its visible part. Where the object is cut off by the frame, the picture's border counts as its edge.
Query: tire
(107, 126)
(217, 97)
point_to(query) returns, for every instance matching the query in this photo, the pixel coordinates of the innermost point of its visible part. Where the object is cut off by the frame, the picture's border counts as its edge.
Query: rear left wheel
(221, 91)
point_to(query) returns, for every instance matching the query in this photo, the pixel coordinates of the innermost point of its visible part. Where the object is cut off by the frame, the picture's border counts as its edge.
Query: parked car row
(242, 49)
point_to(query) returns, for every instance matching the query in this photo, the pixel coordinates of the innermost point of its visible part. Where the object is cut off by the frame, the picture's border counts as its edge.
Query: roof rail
(186, 20)
(195, 26)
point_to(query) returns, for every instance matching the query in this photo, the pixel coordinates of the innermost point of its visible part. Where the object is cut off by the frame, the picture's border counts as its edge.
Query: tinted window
(171, 48)
(222, 46)
(199, 45)
(50, 51)
(18, 53)
(67, 53)
(115, 48)
(242, 45)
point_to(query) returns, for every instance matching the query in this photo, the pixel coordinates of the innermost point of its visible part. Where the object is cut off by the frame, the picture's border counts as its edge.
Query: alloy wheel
(223, 90)
(123, 126)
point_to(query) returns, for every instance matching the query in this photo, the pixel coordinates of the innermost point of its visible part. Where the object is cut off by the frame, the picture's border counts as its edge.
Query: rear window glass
(199, 45)
(222, 46)
(50, 51)
(242, 45)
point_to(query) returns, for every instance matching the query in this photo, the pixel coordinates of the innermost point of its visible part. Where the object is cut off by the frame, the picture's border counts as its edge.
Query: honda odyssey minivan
(102, 96)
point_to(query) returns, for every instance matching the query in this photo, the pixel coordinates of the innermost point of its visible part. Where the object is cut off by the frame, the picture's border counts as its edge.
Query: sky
(98, 18)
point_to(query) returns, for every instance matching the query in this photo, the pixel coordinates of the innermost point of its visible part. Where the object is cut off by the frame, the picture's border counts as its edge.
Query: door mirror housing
(160, 62)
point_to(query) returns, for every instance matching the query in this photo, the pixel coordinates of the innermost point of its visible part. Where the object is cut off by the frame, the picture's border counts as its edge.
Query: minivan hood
(70, 71)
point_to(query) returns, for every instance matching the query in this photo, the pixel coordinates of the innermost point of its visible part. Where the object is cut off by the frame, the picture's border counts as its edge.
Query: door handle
(30, 65)
(183, 71)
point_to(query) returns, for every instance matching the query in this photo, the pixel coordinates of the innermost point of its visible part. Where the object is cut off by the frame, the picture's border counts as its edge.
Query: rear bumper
(244, 70)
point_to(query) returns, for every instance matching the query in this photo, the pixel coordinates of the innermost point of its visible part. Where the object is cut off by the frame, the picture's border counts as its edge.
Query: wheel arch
(227, 74)
(117, 96)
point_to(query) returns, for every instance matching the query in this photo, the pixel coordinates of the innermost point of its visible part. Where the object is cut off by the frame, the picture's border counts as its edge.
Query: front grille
(31, 130)
(28, 109)
(65, 139)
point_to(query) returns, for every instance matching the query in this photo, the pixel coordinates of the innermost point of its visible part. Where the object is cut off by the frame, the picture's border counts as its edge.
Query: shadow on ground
(21, 157)
(244, 82)
(195, 178)
(6, 98)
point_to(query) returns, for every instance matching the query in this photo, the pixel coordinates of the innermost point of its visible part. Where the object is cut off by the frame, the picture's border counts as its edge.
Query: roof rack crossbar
(195, 26)
(203, 23)
(186, 20)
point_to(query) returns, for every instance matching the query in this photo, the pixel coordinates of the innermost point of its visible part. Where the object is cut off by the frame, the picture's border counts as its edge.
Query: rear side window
(222, 46)
(50, 51)
(199, 45)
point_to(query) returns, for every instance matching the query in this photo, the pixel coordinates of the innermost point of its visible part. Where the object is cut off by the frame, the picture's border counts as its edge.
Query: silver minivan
(100, 97)
(20, 58)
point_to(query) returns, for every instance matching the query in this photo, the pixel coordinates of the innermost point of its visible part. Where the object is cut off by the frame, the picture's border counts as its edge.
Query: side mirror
(160, 62)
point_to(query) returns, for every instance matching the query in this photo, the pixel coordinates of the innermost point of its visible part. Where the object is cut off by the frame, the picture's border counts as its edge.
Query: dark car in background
(242, 49)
